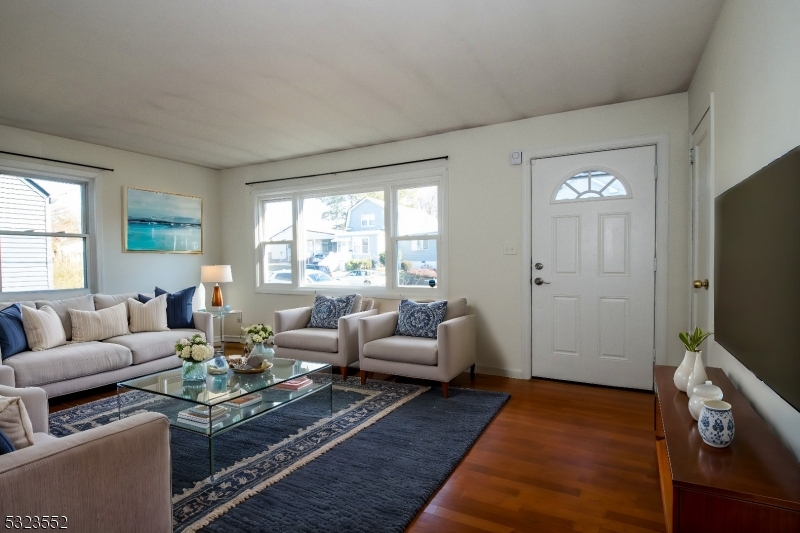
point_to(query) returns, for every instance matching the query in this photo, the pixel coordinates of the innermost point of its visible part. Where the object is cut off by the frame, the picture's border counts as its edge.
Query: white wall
(751, 65)
(485, 210)
(123, 272)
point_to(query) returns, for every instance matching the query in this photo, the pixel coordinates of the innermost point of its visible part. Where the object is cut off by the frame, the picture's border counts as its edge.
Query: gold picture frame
(161, 222)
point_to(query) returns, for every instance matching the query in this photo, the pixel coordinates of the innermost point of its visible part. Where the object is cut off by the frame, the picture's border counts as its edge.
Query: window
(381, 231)
(44, 233)
(591, 184)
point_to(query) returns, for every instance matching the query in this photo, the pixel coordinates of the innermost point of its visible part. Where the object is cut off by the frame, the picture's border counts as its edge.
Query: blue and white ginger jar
(716, 423)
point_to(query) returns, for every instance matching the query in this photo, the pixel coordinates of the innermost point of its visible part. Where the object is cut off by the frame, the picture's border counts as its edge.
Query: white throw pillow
(98, 325)
(150, 316)
(15, 422)
(43, 328)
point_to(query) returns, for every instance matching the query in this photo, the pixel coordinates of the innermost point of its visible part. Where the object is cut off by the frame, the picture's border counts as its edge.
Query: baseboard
(504, 372)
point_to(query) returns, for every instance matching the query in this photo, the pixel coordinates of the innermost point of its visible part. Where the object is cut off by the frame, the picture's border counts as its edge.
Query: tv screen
(757, 274)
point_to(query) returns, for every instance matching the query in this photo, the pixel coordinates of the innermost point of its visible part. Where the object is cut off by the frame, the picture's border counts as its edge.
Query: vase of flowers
(691, 372)
(194, 352)
(261, 337)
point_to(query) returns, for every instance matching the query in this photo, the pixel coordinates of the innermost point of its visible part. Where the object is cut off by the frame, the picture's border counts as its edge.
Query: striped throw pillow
(98, 325)
(150, 316)
(43, 328)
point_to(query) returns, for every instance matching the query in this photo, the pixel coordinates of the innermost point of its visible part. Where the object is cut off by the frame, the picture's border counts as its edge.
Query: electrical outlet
(509, 249)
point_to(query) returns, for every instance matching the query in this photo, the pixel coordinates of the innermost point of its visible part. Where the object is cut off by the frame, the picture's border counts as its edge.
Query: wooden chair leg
(343, 370)
(445, 389)
(472, 373)
(363, 374)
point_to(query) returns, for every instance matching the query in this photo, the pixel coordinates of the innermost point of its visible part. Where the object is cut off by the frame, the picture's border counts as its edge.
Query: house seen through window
(43, 234)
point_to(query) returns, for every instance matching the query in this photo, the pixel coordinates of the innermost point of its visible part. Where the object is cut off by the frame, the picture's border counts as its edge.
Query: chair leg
(472, 373)
(343, 370)
(445, 389)
(363, 374)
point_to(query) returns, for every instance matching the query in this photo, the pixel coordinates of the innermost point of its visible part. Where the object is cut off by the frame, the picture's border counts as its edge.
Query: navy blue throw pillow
(6, 446)
(420, 320)
(179, 308)
(12, 334)
(327, 311)
(144, 299)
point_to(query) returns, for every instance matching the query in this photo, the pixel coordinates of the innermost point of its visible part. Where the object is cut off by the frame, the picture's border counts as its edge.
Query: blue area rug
(371, 467)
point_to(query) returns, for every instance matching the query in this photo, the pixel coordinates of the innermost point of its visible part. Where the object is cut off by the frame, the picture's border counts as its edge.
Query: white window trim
(390, 180)
(93, 225)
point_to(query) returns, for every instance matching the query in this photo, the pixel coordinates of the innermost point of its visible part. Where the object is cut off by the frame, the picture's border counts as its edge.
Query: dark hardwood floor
(558, 457)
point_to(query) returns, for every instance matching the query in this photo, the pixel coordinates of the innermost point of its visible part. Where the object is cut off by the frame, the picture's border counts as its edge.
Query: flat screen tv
(757, 274)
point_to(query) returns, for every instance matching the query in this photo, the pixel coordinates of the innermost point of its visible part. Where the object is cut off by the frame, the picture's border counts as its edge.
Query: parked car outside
(363, 277)
(313, 277)
(321, 268)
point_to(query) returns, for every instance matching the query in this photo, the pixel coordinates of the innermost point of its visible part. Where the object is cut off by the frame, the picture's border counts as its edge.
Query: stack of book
(295, 384)
(244, 401)
(198, 416)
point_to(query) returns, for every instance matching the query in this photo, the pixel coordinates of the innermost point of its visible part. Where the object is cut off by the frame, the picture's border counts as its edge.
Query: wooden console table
(752, 485)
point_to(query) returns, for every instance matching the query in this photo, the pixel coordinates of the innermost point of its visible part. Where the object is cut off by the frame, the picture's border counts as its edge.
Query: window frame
(370, 217)
(389, 182)
(628, 195)
(92, 233)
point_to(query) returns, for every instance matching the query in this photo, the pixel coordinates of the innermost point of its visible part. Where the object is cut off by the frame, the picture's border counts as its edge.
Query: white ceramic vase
(681, 376)
(707, 391)
(698, 375)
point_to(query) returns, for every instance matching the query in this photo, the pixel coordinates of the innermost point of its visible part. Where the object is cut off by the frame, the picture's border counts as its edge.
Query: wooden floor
(558, 457)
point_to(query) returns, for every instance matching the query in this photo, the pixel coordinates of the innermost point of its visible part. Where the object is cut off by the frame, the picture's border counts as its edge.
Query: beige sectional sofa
(79, 366)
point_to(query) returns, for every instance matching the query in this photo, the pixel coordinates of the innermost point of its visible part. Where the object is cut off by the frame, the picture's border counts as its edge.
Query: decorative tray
(247, 369)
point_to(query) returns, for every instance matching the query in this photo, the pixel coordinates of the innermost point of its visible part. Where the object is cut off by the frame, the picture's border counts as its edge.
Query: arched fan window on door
(592, 185)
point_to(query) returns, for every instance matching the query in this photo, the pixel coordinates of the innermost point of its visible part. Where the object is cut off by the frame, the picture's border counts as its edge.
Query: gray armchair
(440, 359)
(115, 477)
(338, 347)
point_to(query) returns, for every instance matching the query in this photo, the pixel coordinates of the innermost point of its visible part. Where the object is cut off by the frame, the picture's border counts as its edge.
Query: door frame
(661, 142)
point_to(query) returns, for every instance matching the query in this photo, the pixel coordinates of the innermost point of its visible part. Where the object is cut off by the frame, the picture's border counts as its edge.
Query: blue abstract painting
(163, 222)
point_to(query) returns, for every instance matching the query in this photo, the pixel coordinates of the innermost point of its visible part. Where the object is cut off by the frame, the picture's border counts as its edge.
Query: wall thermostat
(515, 158)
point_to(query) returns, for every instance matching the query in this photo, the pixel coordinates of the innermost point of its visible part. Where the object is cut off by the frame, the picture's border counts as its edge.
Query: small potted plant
(261, 336)
(194, 352)
(691, 371)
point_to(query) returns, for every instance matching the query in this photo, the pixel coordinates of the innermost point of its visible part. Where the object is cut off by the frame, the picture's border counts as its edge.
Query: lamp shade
(215, 274)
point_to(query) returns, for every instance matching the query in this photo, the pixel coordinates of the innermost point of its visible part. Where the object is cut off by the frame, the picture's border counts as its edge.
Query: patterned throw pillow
(98, 325)
(420, 320)
(327, 311)
(12, 333)
(15, 422)
(150, 316)
(43, 328)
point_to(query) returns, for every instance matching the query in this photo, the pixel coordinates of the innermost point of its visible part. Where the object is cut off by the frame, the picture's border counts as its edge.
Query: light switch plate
(509, 249)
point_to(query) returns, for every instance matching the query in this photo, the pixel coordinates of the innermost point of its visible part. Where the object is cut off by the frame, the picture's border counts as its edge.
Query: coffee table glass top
(216, 389)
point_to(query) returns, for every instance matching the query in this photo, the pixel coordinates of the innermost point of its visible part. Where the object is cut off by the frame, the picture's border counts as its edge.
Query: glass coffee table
(208, 408)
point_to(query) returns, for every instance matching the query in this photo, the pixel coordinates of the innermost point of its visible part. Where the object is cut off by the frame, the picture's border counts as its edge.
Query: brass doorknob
(700, 284)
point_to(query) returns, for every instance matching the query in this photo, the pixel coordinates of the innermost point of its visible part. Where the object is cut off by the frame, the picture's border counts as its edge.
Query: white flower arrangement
(195, 349)
(259, 333)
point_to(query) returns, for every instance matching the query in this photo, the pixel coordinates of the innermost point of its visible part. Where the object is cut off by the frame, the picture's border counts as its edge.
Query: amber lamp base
(216, 297)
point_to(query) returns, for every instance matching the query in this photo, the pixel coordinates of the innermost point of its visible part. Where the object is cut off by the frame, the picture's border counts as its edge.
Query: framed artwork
(162, 222)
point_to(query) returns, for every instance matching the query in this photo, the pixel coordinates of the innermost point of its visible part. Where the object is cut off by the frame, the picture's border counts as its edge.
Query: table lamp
(216, 274)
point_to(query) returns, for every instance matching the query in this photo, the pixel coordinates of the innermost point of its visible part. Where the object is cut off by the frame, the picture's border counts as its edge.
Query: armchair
(338, 347)
(110, 478)
(440, 359)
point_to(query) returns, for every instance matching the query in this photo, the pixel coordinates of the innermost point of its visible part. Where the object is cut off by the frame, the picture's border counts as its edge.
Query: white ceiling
(228, 82)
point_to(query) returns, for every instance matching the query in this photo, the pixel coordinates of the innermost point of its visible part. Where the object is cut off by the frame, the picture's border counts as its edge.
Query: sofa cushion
(148, 316)
(420, 319)
(103, 301)
(455, 308)
(62, 307)
(43, 328)
(327, 311)
(26, 303)
(151, 345)
(12, 332)
(412, 350)
(312, 339)
(99, 325)
(179, 307)
(69, 361)
(15, 422)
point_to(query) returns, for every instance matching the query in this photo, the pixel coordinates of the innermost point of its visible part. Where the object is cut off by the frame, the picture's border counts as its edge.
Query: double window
(382, 234)
(44, 233)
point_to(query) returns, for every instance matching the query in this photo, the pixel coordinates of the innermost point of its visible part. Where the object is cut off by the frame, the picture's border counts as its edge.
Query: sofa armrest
(35, 400)
(456, 343)
(348, 334)
(204, 321)
(111, 478)
(375, 327)
(290, 319)
(6, 375)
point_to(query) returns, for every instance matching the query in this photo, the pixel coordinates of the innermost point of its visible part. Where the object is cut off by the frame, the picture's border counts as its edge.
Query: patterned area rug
(297, 456)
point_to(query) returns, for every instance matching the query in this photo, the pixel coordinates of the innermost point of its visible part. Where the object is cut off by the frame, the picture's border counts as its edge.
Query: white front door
(593, 249)
(702, 241)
